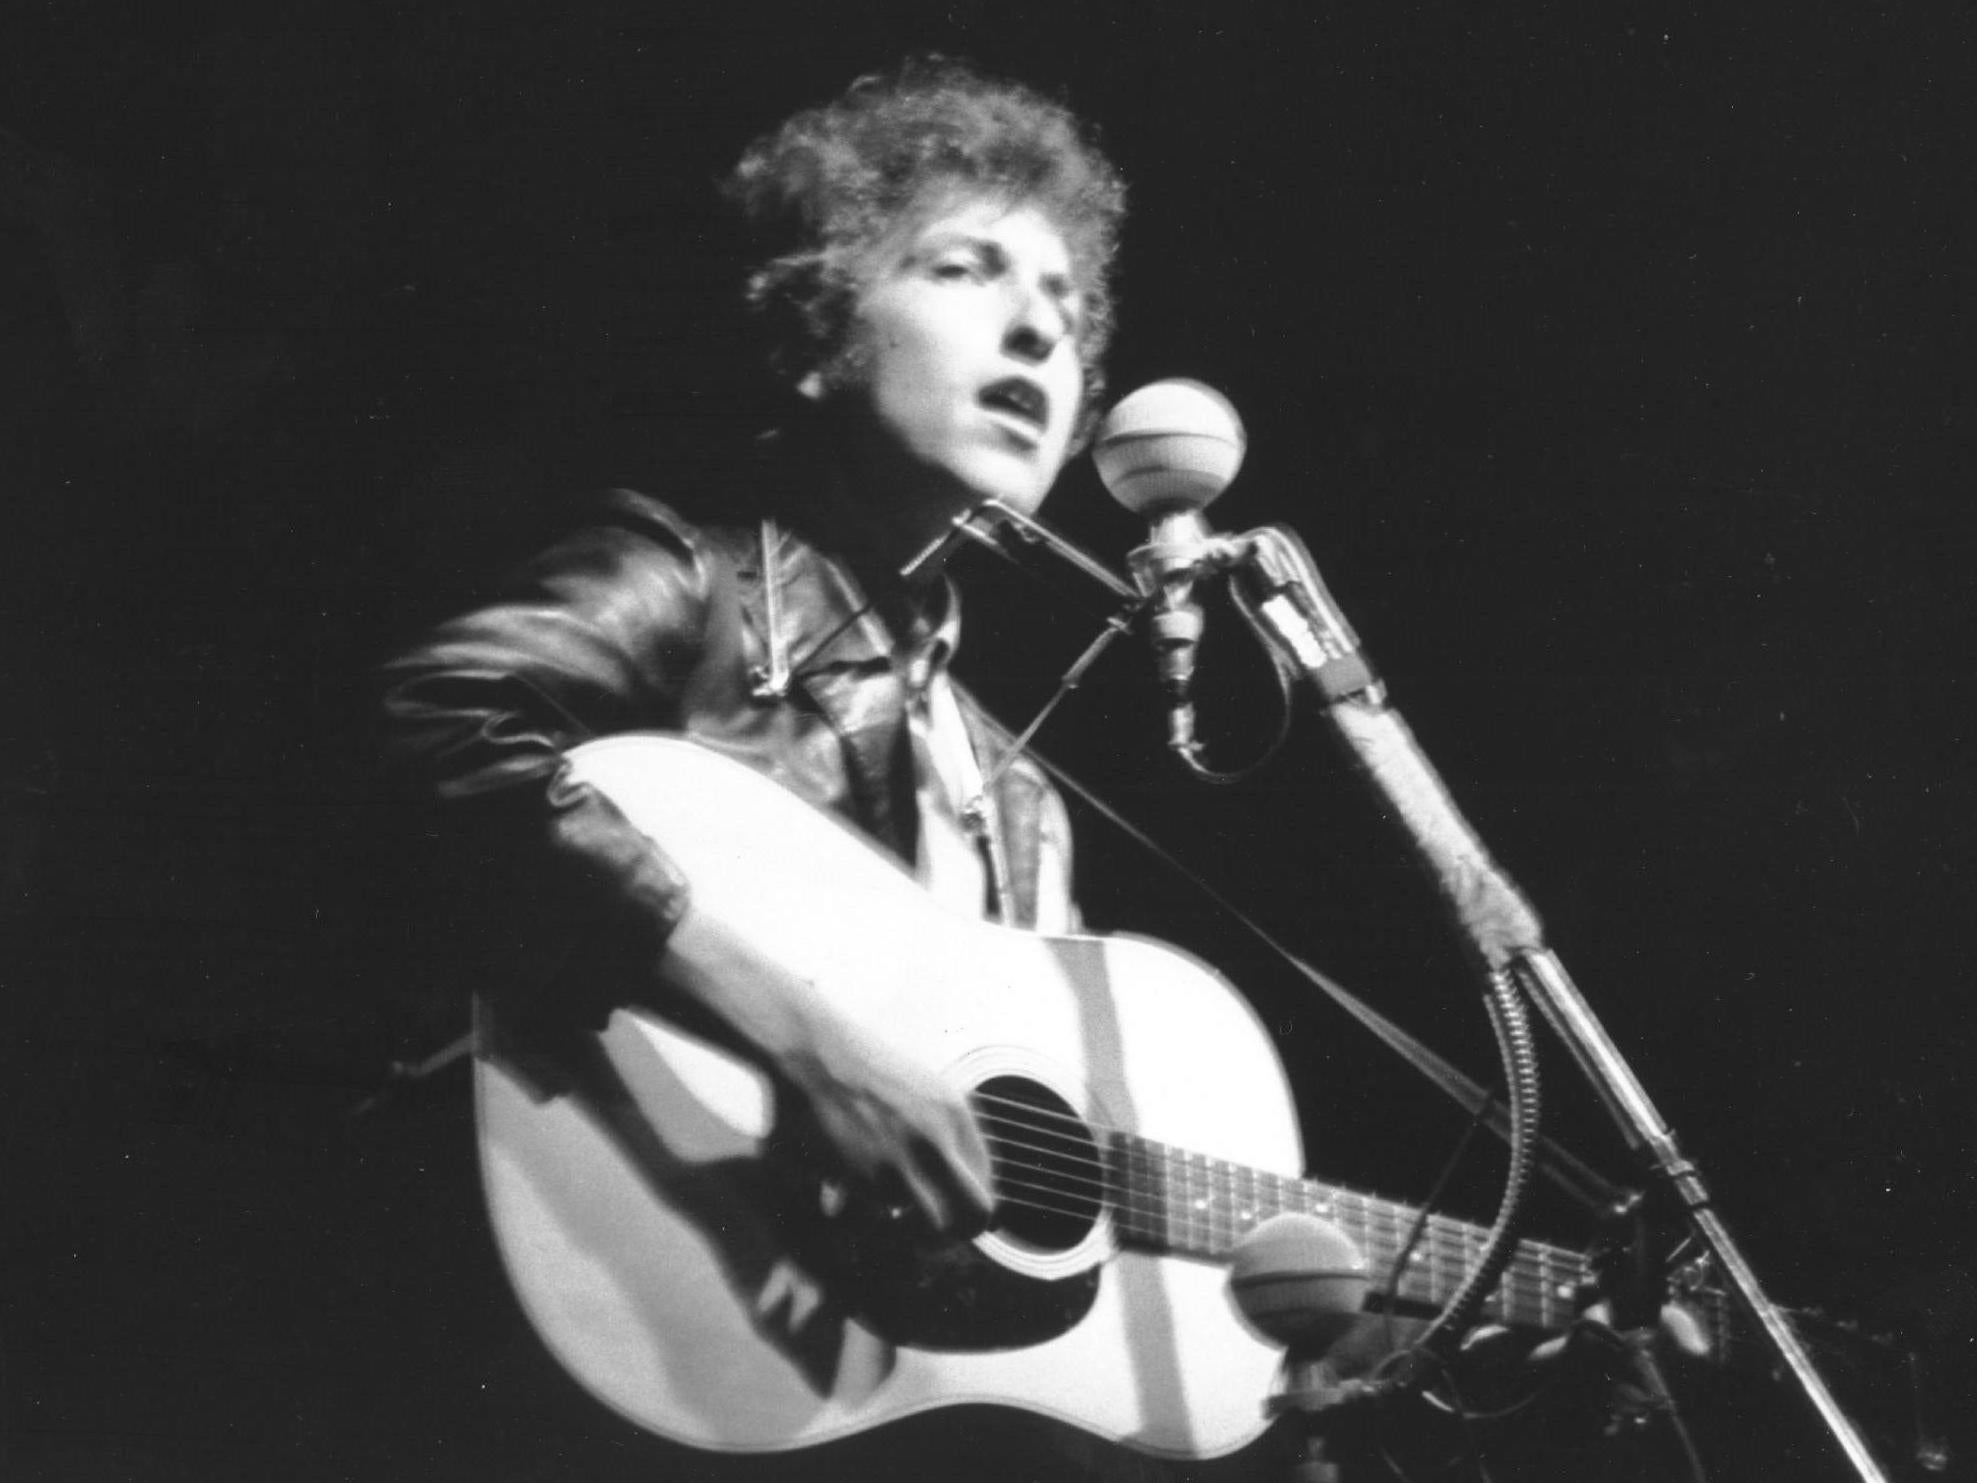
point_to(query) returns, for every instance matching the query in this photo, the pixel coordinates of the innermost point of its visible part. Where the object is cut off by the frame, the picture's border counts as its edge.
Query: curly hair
(821, 194)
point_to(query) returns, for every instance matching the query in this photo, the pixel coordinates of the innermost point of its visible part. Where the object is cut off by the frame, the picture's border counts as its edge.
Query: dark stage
(1616, 362)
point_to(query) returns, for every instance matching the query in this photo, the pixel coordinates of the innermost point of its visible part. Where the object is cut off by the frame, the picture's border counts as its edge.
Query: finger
(977, 1195)
(968, 1202)
(925, 1194)
(974, 1165)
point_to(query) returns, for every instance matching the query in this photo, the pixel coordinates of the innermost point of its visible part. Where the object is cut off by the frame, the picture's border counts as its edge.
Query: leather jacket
(642, 621)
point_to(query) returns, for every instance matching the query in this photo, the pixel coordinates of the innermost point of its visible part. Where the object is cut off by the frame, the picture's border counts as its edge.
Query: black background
(1615, 361)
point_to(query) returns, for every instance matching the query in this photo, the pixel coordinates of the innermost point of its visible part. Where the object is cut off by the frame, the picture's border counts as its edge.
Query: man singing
(934, 250)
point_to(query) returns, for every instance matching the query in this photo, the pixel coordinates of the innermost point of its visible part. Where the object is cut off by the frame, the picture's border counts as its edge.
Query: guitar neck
(1175, 1202)
(1169, 1200)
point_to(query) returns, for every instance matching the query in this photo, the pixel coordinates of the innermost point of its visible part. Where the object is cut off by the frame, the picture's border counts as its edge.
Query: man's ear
(810, 386)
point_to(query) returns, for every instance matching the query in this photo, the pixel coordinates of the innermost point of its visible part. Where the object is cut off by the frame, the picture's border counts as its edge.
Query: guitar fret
(1394, 1242)
(1179, 1211)
(1451, 1259)
(1231, 1207)
(1534, 1287)
(1435, 1260)
(1119, 1171)
(1211, 1201)
(1351, 1217)
(1142, 1177)
(1437, 1239)
(1519, 1299)
(1119, 1154)
(1203, 1201)
(1515, 1288)
(1378, 1251)
(1200, 1212)
(1174, 1199)
(1222, 1205)
(1201, 1225)
(1185, 1189)
(1199, 1216)
(1151, 1193)
(1177, 1196)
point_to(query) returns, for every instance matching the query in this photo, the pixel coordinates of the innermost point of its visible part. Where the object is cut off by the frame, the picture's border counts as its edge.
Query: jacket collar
(810, 611)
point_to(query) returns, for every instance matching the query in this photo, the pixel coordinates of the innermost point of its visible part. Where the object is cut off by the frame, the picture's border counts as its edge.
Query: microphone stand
(1278, 590)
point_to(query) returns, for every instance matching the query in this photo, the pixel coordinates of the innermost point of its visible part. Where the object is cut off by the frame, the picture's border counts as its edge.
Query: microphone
(1299, 1281)
(1165, 452)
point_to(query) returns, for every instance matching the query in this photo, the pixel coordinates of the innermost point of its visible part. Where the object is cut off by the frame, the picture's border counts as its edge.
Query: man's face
(965, 382)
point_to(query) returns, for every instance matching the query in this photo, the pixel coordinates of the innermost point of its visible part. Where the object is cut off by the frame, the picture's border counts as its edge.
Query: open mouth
(1019, 398)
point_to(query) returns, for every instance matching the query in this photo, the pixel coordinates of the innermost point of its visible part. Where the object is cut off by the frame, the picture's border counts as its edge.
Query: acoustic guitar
(693, 1274)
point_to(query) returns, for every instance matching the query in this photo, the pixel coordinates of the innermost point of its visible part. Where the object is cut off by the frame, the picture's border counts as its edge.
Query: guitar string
(1527, 1285)
(1264, 1188)
(1444, 1238)
(1088, 1210)
(1529, 1281)
(1539, 1274)
(1513, 1300)
(1441, 1229)
(1420, 1280)
(1055, 1159)
(1439, 1237)
(1529, 1271)
(1335, 1195)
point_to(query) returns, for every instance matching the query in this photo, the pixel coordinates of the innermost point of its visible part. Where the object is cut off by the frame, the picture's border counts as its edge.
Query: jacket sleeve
(596, 635)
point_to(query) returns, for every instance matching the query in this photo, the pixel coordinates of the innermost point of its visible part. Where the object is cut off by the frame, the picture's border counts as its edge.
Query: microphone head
(1172, 445)
(1299, 1281)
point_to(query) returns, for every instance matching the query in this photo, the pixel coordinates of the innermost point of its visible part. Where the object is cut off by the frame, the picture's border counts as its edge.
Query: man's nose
(1038, 323)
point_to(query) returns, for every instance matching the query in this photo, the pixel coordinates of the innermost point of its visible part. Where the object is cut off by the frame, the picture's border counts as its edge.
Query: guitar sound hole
(1049, 1174)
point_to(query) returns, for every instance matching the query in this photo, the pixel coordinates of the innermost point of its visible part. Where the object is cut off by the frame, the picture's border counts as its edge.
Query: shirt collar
(922, 661)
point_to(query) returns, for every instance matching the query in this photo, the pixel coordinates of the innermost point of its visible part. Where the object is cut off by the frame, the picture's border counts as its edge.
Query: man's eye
(955, 268)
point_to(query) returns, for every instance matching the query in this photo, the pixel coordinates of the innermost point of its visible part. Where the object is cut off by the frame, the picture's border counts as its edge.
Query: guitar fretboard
(1167, 1199)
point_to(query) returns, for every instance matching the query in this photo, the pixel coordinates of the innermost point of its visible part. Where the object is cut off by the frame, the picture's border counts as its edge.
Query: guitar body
(697, 1279)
